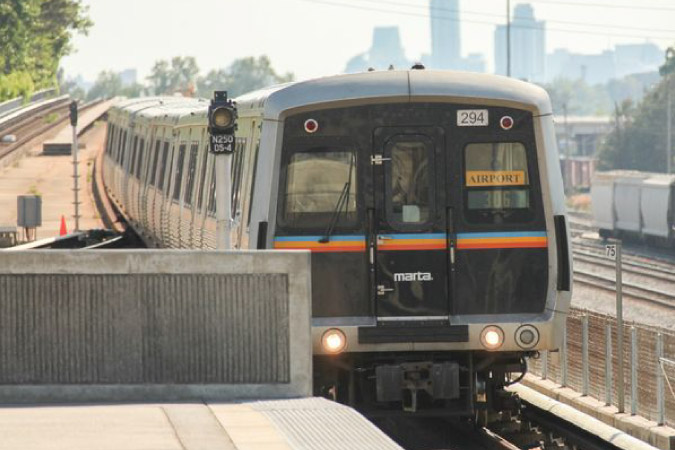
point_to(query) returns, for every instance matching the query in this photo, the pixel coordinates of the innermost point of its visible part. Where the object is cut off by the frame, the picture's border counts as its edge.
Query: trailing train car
(432, 203)
(637, 205)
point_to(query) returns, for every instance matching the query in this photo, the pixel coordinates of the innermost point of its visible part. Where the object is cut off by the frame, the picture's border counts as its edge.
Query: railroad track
(35, 124)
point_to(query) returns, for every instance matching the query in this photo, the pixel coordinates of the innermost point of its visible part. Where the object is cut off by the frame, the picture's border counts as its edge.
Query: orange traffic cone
(63, 230)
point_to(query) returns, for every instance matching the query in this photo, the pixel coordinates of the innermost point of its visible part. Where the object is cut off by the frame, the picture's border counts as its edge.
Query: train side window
(108, 138)
(252, 189)
(237, 172)
(178, 179)
(132, 162)
(317, 182)
(164, 166)
(155, 163)
(496, 182)
(211, 206)
(139, 162)
(202, 179)
(123, 147)
(192, 168)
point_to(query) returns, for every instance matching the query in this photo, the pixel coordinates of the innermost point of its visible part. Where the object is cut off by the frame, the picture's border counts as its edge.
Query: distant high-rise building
(528, 45)
(128, 77)
(625, 59)
(385, 50)
(445, 35)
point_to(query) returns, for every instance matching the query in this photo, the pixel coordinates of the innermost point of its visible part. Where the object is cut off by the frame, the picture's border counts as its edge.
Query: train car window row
(178, 179)
(163, 166)
(123, 147)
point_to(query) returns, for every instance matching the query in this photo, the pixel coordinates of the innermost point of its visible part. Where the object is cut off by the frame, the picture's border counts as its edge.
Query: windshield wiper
(343, 201)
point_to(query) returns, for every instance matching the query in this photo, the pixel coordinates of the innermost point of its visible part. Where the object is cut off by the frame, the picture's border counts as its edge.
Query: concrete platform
(661, 437)
(51, 177)
(306, 423)
(61, 144)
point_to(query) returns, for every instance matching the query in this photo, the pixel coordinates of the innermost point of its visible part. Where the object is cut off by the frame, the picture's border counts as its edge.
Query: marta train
(635, 205)
(432, 204)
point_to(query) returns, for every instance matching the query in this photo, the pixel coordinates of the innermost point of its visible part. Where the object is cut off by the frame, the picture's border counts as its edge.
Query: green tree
(177, 76)
(639, 136)
(243, 75)
(36, 34)
(108, 84)
(578, 97)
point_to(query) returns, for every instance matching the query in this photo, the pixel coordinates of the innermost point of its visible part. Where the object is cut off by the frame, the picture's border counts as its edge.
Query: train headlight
(333, 341)
(527, 336)
(492, 337)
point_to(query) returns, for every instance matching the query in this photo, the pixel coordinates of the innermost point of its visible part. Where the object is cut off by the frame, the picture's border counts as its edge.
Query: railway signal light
(73, 113)
(222, 123)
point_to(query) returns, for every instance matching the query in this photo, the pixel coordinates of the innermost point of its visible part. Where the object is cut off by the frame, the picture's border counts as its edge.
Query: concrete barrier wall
(154, 325)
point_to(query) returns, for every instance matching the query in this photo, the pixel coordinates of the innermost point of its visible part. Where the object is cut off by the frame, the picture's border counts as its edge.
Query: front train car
(432, 203)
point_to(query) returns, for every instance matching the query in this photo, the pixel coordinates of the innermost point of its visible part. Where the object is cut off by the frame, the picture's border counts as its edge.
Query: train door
(409, 237)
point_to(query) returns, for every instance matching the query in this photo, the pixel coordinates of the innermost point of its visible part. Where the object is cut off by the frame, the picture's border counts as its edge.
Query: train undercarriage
(460, 384)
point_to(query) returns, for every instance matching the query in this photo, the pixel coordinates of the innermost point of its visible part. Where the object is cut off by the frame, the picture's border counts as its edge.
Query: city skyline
(301, 36)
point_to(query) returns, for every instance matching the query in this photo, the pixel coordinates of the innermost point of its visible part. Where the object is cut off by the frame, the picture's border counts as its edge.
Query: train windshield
(497, 183)
(315, 184)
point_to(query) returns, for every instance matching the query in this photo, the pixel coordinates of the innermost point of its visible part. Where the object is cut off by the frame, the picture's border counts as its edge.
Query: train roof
(389, 86)
(396, 86)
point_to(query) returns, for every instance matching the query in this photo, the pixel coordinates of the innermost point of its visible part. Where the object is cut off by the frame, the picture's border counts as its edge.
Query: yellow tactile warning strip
(249, 429)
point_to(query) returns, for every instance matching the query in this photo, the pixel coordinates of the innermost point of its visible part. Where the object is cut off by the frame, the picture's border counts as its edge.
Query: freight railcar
(635, 205)
(432, 203)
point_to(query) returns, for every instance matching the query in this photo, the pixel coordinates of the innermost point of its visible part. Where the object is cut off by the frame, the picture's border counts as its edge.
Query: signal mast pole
(222, 117)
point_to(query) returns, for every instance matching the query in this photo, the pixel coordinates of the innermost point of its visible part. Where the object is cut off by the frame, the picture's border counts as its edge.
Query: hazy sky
(316, 37)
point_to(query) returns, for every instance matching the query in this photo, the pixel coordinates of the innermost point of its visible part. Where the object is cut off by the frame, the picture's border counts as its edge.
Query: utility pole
(76, 187)
(669, 148)
(508, 38)
(666, 70)
(567, 180)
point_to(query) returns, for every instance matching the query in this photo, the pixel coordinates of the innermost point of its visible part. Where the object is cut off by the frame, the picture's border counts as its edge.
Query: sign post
(76, 188)
(222, 118)
(613, 251)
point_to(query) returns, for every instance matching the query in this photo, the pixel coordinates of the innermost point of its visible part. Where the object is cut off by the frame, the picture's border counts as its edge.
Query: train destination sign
(495, 178)
(222, 143)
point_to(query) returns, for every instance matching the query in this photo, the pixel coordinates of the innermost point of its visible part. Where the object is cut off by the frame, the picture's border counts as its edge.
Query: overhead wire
(481, 22)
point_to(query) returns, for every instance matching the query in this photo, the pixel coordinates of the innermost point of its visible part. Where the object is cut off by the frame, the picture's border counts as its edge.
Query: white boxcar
(627, 200)
(602, 195)
(655, 205)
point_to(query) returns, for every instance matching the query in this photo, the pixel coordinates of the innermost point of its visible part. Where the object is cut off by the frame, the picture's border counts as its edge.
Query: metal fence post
(584, 353)
(633, 371)
(563, 359)
(660, 392)
(544, 365)
(608, 364)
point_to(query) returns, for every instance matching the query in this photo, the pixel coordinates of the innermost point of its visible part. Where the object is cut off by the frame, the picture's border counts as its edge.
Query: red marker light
(311, 125)
(506, 122)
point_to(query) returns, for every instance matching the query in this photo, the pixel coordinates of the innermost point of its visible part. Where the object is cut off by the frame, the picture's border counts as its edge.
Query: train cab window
(319, 183)
(178, 180)
(409, 187)
(496, 182)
